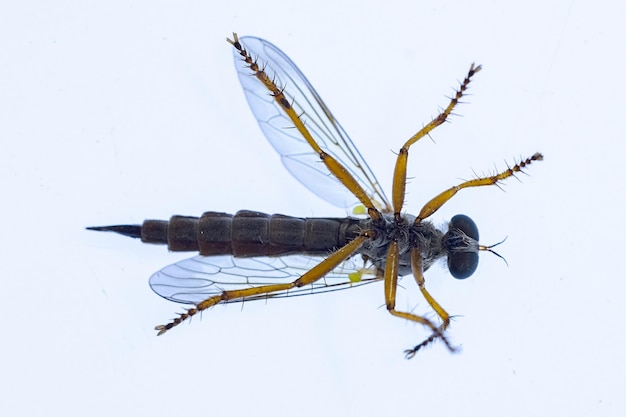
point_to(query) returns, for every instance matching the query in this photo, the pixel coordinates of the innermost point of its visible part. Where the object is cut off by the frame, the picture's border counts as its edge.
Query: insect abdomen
(250, 233)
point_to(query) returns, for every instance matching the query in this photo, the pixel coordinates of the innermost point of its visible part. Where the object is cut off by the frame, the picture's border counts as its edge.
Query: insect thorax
(424, 236)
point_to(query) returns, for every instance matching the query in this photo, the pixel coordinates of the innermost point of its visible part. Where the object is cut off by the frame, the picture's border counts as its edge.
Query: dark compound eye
(462, 264)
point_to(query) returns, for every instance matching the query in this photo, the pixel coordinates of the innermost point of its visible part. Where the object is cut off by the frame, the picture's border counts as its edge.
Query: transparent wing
(297, 156)
(193, 280)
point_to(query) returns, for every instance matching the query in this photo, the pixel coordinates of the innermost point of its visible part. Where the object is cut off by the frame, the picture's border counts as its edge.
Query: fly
(252, 255)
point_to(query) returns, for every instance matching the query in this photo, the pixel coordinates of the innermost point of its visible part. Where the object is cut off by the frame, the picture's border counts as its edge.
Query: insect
(253, 256)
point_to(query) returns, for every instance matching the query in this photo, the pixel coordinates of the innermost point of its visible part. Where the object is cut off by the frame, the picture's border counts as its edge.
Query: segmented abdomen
(250, 233)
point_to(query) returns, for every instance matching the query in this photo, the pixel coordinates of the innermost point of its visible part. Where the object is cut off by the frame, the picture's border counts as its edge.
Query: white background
(114, 113)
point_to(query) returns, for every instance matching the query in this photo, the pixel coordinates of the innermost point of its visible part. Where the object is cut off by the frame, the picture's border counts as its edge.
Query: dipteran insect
(253, 256)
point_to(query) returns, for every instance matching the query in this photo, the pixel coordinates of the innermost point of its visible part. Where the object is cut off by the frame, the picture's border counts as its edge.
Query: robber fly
(252, 255)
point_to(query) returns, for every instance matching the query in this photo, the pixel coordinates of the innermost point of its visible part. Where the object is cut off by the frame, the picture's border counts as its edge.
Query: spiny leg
(314, 274)
(336, 168)
(434, 204)
(391, 284)
(398, 193)
(416, 268)
(399, 175)
(428, 209)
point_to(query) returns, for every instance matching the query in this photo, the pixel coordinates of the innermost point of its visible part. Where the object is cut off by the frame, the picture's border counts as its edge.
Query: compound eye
(465, 225)
(463, 264)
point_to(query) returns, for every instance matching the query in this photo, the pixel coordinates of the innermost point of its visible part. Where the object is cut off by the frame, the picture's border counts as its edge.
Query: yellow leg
(436, 203)
(428, 209)
(416, 268)
(391, 283)
(338, 170)
(398, 193)
(316, 273)
(399, 175)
